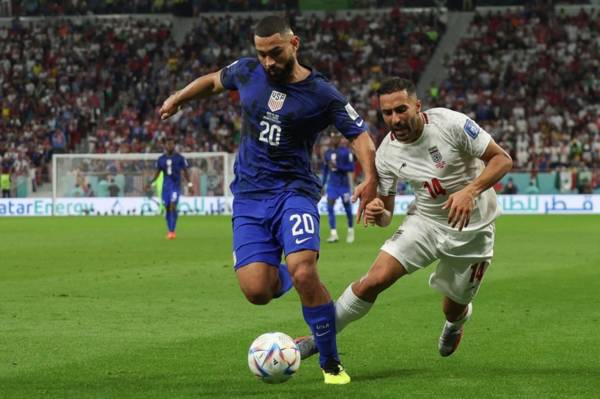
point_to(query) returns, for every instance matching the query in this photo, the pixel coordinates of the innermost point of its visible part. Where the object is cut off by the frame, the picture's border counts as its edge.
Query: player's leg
(298, 230)
(173, 209)
(348, 208)
(411, 248)
(331, 198)
(166, 200)
(458, 279)
(259, 282)
(257, 254)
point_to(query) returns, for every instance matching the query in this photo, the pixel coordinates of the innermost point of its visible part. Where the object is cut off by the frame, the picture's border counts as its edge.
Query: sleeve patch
(353, 115)
(472, 129)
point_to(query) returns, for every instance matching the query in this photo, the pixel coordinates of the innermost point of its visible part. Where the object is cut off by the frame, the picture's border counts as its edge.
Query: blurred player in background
(285, 106)
(452, 165)
(338, 164)
(172, 165)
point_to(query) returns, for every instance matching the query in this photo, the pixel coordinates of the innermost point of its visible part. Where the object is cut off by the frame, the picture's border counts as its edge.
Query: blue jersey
(338, 162)
(171, 166)
(280, 125)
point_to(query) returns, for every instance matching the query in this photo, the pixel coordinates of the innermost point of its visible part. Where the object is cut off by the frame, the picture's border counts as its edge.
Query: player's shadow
(392, 373)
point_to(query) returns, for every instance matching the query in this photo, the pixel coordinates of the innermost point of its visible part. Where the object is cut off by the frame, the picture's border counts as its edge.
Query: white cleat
(452, 335)
(333, 237)
(350, 236)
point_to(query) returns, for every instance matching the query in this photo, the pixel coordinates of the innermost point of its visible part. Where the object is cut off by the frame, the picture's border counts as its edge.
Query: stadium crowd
(93, 85)
(531, 78)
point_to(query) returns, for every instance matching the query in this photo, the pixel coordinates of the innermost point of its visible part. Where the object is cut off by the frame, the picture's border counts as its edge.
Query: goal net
(125, 177)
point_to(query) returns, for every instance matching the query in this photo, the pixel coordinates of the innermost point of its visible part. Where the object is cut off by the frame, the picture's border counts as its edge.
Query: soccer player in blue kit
(338, 162)
(171, 164)
(285, 105)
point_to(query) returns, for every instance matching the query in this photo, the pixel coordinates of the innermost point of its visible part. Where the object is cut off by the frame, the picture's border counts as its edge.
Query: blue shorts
(264, 228)
(170, 197)
(334, 192)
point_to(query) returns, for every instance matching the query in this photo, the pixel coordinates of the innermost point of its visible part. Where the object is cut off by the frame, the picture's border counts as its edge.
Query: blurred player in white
(451, 165)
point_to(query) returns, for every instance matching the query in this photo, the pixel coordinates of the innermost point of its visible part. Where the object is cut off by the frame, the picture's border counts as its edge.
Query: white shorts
(464, 256)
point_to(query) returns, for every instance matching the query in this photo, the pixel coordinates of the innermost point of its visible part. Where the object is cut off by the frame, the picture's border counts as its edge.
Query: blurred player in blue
(338, 163)
(285, 105)
(171, 164)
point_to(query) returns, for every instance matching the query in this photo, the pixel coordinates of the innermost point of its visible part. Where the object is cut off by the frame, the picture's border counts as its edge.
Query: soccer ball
(274, 357)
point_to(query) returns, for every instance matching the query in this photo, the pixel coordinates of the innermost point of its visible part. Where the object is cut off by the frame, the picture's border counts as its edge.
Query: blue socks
(321, 320)
(348, 208)
(331, 214)
(286, 280)
(171, 217)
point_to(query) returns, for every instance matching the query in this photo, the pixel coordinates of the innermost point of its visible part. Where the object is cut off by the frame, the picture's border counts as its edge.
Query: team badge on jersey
(471, 129)
(276, 100)
(436, 157)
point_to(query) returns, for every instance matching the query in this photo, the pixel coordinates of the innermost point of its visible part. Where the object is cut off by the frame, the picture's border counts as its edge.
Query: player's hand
(461, 204)
(366, 192)
(169, 107)
(374, 210)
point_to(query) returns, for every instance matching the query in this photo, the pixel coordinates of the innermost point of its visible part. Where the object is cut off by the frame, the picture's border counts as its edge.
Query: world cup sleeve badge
(436, 157)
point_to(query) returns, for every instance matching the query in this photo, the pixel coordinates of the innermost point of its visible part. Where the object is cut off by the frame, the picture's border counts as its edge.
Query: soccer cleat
(334, 373)
(333, 238)
(350, 236)
(451, 336)
(171, 235)
(306, 346)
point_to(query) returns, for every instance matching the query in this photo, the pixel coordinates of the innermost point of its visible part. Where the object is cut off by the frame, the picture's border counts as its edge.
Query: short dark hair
(394, 84)
(270, 25)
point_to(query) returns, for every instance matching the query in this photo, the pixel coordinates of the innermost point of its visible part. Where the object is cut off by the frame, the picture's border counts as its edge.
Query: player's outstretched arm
(461, 203)
(364, 149)
(380, 210)
(204, 86)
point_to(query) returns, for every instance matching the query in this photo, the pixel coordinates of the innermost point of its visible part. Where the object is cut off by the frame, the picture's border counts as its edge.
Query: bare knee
(384, 272)
(257, 296)
(304, 275)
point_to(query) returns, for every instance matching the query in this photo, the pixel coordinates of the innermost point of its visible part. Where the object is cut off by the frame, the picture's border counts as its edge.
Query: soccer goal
(124, 179)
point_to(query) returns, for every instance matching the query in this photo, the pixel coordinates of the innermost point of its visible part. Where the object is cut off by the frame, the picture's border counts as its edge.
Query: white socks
(349, 308)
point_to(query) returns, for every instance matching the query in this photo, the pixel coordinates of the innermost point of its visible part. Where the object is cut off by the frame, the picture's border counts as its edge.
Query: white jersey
(442, 161)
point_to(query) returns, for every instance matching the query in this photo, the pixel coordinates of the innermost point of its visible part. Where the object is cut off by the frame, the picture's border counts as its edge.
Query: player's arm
(202, 87)
(497, 164)
(156, 173)
(380, 210)
(364, 149)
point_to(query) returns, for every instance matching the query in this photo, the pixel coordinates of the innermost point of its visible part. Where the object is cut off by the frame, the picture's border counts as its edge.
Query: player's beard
(282, 75)
(409, 131)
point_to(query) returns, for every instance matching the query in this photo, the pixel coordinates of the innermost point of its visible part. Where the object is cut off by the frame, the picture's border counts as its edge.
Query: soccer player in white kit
(451, 164)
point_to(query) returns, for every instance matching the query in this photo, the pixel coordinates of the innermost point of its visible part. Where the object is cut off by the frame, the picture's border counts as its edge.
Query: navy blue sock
(169, 217)
(286, 280)
(321, 320)
(174, 223)
(331, 214)
(348, 208)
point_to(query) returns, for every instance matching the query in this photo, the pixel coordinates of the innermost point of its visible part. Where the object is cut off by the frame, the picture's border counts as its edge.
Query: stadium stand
(530, 77)
(85, 84)
(93, 85)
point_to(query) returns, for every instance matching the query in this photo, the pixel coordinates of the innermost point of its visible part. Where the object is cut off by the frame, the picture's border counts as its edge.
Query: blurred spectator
(532, 188)
(510, 187)
(5, 182)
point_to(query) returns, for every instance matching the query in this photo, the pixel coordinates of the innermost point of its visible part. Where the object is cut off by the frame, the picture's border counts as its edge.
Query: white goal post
(127, 175)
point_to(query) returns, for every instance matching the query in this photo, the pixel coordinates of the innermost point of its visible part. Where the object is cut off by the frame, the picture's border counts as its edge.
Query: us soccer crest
(436, 157)
(276, 101)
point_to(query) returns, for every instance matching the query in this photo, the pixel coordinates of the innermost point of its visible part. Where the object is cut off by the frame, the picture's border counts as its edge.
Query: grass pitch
(106, 307)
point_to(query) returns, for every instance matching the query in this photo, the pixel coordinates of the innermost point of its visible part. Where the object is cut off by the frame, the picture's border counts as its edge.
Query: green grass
(107, 308)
